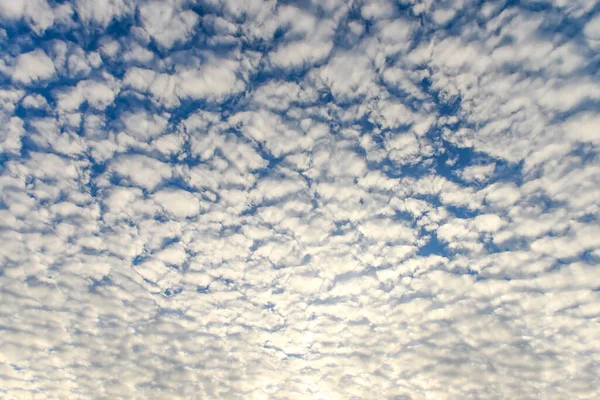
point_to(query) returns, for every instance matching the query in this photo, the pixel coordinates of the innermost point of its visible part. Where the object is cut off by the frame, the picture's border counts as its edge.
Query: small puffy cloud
(270, 129)
(300, 53)
(33, 66)
(502, 194)
(37, 13)
(166, 24)
(391, 113)
(102, 12)
(349, 75)
(98, 94)
(141, 170)
(34, 101)
(376, 9)
(143, 126)
(11, 134)
(478, 173)
(214, 80)
(592, 28)
(580, 239)
(387, 230)
(179, 203)
(161, 86)
(404, 148)
(443, 15)
(488, 223)
(280, 95)
(307, 285)
(309, 39)
(584, 128)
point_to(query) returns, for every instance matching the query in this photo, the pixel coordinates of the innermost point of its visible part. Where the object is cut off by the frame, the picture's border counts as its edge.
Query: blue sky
(228, 199)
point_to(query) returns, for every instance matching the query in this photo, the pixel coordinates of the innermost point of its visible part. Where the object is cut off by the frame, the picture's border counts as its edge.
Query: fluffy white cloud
(165, 24)
(35, 101)
(33, 66)
(477, 172)
(143, 126)
(36, 12)
(98, 94)
(309, 38)
(214, 80)
(349, 76)
(179, 203)
(102, 12)
(592, 28)
(141, 170)
(488, 223)
(443, 15)
(11, 134)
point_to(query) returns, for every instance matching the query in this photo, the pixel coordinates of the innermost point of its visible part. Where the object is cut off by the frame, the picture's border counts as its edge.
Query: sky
(328, 199)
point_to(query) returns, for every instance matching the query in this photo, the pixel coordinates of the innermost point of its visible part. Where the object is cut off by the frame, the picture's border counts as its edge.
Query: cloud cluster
(326, 200)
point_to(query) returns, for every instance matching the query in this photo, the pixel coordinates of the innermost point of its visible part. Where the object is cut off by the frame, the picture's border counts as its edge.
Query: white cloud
(584, 128)
(165, 24)
(348, 76)
(404, 149)
(141, 170)
(377, 9)
(502, 195)
(279, 95)
(179, 203)
(97, 94)
(269, 129)
(11, 135)
(300, 53)
(478, 172)
(143, 126)
(102, 12)
(592, 28)
(214, 80)
(309, 39)
(36, 12)
(488, 223)
(443, 15)
(35, 101)
(33, 66)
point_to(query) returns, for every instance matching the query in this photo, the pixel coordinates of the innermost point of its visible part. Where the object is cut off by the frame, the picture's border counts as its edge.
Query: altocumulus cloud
(228, 199)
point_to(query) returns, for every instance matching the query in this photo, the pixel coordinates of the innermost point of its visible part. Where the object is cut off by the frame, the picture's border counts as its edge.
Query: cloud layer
(328, 200)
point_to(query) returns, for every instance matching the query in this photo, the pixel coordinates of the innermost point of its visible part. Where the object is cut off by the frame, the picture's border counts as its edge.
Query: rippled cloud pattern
(259, 199)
